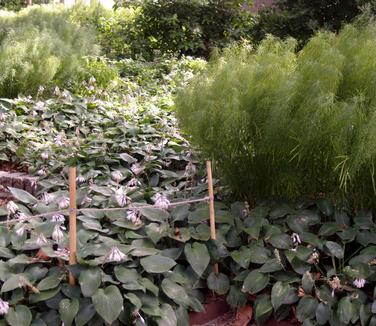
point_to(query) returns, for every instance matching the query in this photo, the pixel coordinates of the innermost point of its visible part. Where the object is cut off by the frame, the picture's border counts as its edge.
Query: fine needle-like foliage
(40, 46)
(286, 123)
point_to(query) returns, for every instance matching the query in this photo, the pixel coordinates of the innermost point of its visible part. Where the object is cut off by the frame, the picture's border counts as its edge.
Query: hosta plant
(310, 261)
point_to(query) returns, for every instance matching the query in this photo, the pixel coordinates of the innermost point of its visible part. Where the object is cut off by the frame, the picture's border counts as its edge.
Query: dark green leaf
(335, 249)
(322, 313)
(23, 196)
(157, 264)
(236, 298)
(219, 283)
(255, 282)
(19, 316)
(90, 281)
(108, 302)
(68, 309)
(345, 310)
(263, 309)
(279, 294)
(197, 256)
(280, 241)
(306, 308)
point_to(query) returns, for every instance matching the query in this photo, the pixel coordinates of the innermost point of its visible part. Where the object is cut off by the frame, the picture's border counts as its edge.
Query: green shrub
(301, 19)
(283, 123)
(116, 30)
(39, 46)
(103, 71)
(18, 4)
(185, 27)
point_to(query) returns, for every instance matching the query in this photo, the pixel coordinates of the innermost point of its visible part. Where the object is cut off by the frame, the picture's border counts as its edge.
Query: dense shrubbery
(192, 27)
(290, 124)
(147, 29)
(117, 33)
(15, 5)
(39, 46)
(301, 19)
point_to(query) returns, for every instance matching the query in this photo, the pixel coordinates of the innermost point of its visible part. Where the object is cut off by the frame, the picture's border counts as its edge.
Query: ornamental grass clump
(40, 46)
(286, 123)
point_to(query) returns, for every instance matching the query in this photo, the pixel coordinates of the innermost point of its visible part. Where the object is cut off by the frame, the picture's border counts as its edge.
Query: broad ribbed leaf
(335, 249)
(219, 283)
(157, 264)
(90, 281)
(108, 303)
(19, 316)
(255, 282)
(68, 309)
(280, 291)
(198, 256)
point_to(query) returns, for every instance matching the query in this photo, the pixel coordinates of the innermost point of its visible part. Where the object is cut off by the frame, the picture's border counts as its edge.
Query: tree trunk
(29, 2)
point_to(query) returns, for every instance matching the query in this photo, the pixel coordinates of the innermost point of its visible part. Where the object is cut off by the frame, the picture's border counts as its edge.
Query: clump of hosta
(312, 260)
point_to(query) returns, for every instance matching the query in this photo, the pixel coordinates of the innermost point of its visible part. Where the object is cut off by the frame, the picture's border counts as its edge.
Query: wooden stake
(72, 221)
(211, 207)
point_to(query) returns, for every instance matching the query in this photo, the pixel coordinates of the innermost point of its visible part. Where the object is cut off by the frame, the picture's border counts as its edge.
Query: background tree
(301, 18)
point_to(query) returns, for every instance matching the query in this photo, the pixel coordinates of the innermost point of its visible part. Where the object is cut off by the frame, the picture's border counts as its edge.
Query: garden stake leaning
(213, 235)
(72, 221)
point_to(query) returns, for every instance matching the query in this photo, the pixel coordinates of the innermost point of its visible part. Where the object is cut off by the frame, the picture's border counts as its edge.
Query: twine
(114, 209)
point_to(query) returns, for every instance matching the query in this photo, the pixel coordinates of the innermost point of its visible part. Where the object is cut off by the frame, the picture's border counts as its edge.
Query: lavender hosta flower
(161, 201)
(57, 91)
(59, 140)
(81, 179)
(190, 169)
(41, 240)
(12, 207)
(136, 314)
(115, 255)
(58, 234)
(117, 176)
(335, 284)
(62, 252)
(47, 198)
(42, 172)
(39, 105)
(4, 307)
(92, 80)
(359, 282)
(134, 215)
(58, 218)
(137, 168)
(21, 230)
(40, 90)
(87, 200)
(66, 95)
(22, 217)
(3, 116)
(44, 156)
(63, 202)
(121, 197)
(134, 182)
(296, 239)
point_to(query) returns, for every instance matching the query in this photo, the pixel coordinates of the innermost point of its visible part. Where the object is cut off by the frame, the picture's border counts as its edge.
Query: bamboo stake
(72, 221)
(211, 207)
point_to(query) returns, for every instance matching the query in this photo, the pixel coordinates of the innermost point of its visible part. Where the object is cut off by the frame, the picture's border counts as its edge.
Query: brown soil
(11, 167)
(218, 313)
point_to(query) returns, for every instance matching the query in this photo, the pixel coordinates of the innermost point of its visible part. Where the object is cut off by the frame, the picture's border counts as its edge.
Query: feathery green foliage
(288, 124)
(40, 46)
